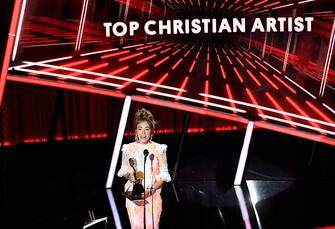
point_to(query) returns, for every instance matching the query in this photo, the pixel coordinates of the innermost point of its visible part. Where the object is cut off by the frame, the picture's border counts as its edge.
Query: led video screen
(266, 61)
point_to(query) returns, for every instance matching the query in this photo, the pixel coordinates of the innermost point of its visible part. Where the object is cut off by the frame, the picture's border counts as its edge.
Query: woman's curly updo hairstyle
(144, 115)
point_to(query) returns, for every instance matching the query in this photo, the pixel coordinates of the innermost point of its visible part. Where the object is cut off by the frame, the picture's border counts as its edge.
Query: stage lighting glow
(18, 31)
(118, 141)
(244, 154)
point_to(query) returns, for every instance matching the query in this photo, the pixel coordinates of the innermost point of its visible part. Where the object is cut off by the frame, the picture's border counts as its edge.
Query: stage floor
(202, 204)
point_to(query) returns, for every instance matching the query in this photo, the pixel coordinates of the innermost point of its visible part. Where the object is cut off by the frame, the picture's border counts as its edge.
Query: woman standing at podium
(156, 171)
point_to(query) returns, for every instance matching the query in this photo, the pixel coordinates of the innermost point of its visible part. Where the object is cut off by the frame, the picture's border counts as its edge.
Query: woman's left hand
(150, 192)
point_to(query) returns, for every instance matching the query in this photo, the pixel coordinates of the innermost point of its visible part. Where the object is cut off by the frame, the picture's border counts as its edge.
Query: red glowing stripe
(250, 63)
(301, 111)
(253, 10)
(238, 52)
(114, 54)
(240, 61)
(238, 75)
(131, 56)
(320, 113)
(172, 43)
(272, 4)
(224, 52)
(183, 85)
(259, 3)
(217, 55)
(231, 52)
(196, 57)
(92, 68)
(145, 59)
(176, 52)
(184, 46)
(254, 101)
(238, 7)
(144, 47)
(165, 50)
(262, 65)
(229, 60)
(247, 54)
(160, 81)
(248, 2)
(222, 5)
(192, 66)
(230, 96)
(176, 64)
(206, 92)
(246, 8)
(208, 54)
(154, 49)
(230, 6)
(68, 65)
(187, 53)
(278, 107)
(161, 61)
(270, 81)
(192, 47)
(254, 78)
(222, 71)
(136, 77)
(175, 45)
(285, 84)
(119, 70)
(207, 69)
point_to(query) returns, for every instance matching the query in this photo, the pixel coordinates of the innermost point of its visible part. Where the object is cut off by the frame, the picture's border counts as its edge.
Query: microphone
(146, 153)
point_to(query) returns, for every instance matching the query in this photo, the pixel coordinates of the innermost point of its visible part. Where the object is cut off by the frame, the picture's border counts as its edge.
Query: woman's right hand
(130, 177)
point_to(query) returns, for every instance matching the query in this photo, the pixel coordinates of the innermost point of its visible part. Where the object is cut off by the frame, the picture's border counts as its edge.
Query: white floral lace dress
(155, 170)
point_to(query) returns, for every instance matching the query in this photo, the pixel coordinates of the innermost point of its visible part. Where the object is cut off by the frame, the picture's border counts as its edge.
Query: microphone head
(146, 153)
(151, 157)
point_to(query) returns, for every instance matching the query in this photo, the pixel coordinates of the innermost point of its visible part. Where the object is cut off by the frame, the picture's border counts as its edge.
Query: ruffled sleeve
(124, 168)
(163, 165)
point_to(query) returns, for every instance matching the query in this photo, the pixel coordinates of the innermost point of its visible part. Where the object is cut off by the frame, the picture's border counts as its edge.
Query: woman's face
(143, 132)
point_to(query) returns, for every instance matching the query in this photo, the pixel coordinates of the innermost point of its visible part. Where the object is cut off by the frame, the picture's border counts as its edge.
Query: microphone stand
(152, 195)
(144, 221)
(144, 215)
